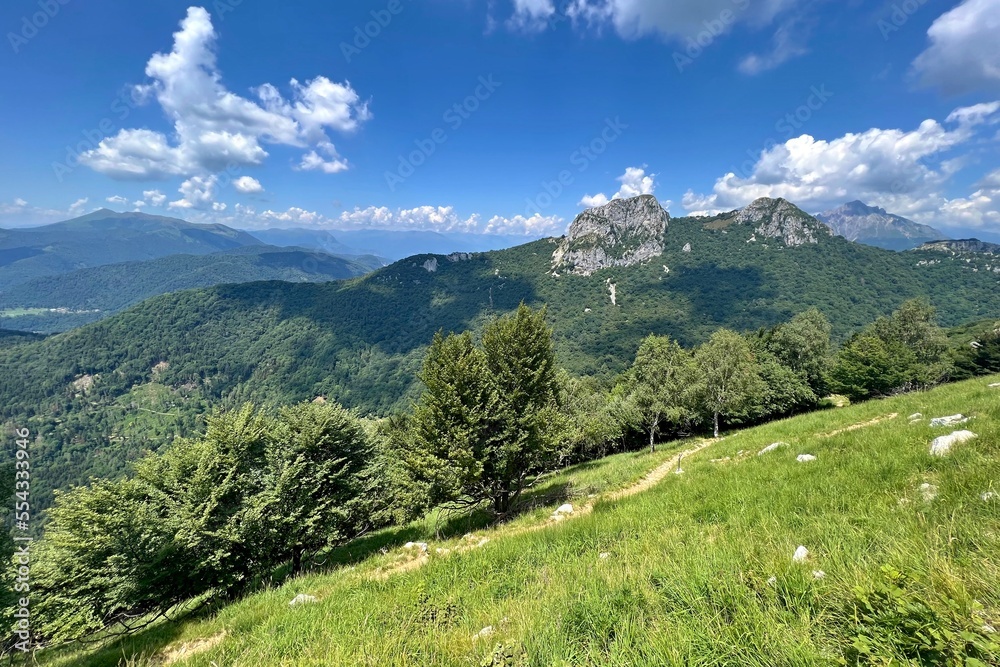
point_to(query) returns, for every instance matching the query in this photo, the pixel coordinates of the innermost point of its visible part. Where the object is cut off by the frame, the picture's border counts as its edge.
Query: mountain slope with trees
(101, 395)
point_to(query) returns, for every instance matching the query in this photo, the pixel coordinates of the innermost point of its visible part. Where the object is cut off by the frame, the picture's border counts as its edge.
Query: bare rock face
(623, 232)
(779, 219)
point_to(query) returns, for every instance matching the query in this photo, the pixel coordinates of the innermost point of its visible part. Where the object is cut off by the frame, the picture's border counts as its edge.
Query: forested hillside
(101, 394)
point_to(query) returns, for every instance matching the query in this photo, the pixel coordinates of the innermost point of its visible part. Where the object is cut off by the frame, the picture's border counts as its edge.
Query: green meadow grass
(697, 570)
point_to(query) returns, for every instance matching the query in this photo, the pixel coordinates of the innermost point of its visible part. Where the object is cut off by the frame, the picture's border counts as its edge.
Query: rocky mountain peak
(623, 232)
(780, 219)
(871, 225)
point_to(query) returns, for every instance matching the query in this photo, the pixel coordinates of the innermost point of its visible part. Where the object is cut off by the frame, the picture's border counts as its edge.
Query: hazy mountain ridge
(871, 225)
(107, 237)
(87, 295)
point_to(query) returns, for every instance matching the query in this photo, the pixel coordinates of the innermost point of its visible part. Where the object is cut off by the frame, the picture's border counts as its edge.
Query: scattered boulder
(805, 458)
(563, 512)
(988, 496)
(687, 247)
(419, 546)
(301, 598)
(485, 633)
(953, 420)
(773, 581)
(915, 417)
(801, 555)
(771, 448)
(995, 385)
(942, 446)
(928, 492)
(819, 574)
(605, 556)
(431, 265)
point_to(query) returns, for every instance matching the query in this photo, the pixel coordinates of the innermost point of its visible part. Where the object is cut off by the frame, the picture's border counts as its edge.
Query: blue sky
(498, 116)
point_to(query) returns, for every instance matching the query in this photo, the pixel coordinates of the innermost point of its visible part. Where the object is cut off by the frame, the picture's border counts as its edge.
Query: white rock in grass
(819, 574)
(928, 492)
(563, 512)
(806, 458)
(942, 446)
(485, 633)
(419, 546)
(605, 556)
(989, 629)
(771, 448)
(301, 598)
(988, 496)
(801, 555)
(773, 581)
(995, 385)
(915, 416)
(953, 420)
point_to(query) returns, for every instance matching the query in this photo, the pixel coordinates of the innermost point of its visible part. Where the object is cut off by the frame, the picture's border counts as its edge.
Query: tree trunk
(296, 560)
(652, 444)
(716, 424)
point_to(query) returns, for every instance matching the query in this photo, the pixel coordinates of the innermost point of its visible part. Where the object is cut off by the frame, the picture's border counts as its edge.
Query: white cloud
(531, 15)
(248, 185)
(117, 199)
(154, 197)
(905, 172)
(20, 213)
(635, 181)
(536, 225)
(215, 128)
(676, 19)
(77, 207)
(313, 161)
(788, 43)
(198, 193)
(138, 205)
(964, 55)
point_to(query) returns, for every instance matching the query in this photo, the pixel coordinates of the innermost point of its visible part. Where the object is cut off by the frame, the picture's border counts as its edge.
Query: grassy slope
(686, 579)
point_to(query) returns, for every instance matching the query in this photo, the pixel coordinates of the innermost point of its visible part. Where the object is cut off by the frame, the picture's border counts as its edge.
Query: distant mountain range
(392, 245)
(57, 303)
(856, 221)
(105, 237)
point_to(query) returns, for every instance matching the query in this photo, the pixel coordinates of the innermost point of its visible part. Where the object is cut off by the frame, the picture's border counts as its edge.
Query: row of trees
(259, 490)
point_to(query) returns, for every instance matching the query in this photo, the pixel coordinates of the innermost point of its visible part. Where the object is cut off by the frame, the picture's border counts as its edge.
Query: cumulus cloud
(964, 51)
(248, 185)
(77, 208)
(215, 128)
(20, 202)
(198, 192)
(906, 172)
(313, 161)
(536, 225)
(117, 199)
(154, 197)
(634, 182)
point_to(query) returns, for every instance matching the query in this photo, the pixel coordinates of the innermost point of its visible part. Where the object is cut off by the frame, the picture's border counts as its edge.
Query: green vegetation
(694, 570)
(58, 303)
(361, 342)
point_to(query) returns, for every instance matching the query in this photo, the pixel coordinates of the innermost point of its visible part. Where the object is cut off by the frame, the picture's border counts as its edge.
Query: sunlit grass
(696, 571)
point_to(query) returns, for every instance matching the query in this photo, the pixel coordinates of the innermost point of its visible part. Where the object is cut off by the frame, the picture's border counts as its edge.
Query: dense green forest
(100, 395)
(73, 299)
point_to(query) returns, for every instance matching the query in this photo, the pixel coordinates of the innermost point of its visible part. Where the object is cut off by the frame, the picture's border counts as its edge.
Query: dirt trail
(650, 480)
(855, 427)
